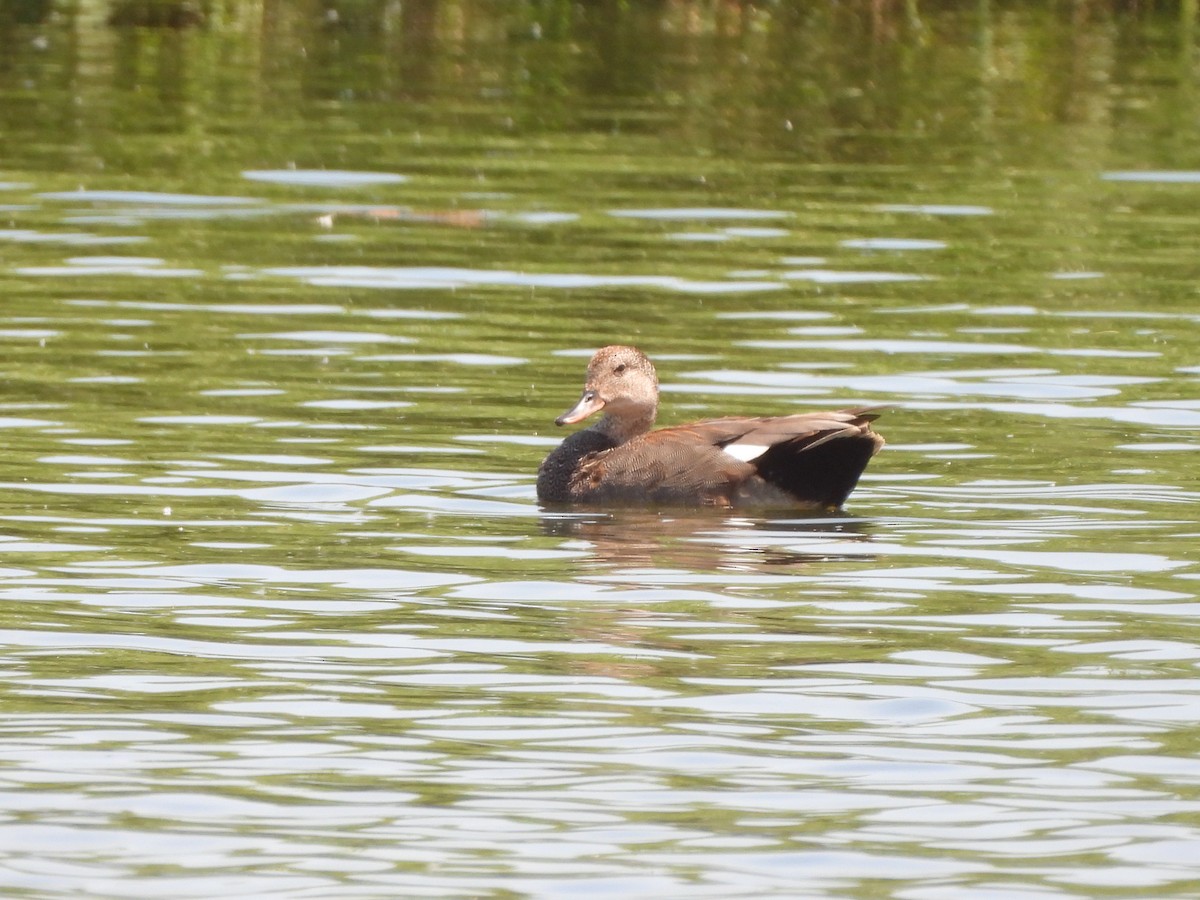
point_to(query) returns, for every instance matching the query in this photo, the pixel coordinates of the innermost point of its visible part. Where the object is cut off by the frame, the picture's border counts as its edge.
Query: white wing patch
(745, 452)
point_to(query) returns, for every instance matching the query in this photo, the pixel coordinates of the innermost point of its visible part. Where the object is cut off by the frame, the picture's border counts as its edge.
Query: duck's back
(812, 459)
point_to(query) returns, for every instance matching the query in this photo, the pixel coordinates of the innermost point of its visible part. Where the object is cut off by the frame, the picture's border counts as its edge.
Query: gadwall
(809, 459)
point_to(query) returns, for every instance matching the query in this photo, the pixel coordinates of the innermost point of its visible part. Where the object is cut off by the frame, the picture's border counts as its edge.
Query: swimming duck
(812, 460)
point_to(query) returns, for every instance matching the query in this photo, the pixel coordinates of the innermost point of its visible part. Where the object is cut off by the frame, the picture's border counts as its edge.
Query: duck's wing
(748, 439)
(809, 458)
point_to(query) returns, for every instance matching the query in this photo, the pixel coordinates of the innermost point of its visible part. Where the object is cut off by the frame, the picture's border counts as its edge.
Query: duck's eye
(620, 369)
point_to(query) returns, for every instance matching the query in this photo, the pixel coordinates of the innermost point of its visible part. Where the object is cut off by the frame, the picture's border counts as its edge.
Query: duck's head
(622, 382)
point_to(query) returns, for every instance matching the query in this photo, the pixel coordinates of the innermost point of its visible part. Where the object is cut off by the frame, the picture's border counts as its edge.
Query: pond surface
(290, 305)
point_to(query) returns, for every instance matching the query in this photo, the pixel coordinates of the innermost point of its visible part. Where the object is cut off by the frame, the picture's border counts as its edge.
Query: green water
(291, 300)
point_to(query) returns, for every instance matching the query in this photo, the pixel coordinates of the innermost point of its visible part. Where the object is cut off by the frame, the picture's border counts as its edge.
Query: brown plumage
(809, 459)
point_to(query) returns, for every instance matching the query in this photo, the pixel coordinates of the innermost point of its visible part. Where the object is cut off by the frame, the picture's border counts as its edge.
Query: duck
(811, 460)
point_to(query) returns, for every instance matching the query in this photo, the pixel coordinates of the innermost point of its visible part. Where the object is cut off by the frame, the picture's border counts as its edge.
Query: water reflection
(697, 541)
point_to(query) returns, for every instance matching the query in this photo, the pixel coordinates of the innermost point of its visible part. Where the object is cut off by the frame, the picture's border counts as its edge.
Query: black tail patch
(824, 474)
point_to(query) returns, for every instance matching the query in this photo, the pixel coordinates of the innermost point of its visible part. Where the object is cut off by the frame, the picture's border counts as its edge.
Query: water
(289, 309)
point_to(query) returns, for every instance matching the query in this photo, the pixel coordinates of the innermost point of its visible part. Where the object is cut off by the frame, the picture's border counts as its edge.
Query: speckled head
(622, 382)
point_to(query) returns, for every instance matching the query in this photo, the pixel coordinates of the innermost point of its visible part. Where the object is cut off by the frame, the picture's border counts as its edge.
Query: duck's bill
(588, 404)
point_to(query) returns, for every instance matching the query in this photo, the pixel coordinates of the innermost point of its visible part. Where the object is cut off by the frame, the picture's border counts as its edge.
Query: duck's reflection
(712, 539)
